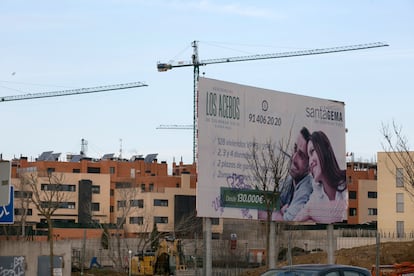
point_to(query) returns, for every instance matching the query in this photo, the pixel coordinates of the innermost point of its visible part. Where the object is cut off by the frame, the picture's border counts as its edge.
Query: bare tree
(133, 216)
(47, 198)
(188, 225)
(143, 227)
(268, 164)
(125, 204)
(23, 199)
(397, 149)
(185, 227)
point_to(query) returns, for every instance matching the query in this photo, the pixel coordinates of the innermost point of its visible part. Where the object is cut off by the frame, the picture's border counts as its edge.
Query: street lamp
(130, 259)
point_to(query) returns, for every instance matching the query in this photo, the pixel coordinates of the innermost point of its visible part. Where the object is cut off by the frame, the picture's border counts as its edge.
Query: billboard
(231, 117)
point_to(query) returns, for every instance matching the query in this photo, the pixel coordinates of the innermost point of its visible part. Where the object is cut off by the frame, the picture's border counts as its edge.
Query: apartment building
(83, 198)
(362, 188)
(395, 197)
(135, 193)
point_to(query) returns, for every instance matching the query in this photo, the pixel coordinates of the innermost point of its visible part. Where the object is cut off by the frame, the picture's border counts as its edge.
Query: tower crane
(196, 63)
(175, 127)
(72, 91)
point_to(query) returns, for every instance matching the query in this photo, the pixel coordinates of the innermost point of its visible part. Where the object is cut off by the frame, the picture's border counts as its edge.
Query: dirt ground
(365, 256)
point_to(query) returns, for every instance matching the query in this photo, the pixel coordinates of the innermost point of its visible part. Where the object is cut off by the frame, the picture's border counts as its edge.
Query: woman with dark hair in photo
(329, 199)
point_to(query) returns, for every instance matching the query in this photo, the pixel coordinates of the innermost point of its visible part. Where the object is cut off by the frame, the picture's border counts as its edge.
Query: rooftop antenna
(84, 147)
(120, 148)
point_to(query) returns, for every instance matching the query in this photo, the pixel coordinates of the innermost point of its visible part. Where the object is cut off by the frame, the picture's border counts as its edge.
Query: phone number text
(265, 119)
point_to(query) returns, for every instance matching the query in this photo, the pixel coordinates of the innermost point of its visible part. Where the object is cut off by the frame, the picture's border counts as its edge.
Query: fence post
(331, 250)
(377, 259)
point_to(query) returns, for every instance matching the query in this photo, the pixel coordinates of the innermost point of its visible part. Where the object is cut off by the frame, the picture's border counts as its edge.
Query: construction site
(395, 259)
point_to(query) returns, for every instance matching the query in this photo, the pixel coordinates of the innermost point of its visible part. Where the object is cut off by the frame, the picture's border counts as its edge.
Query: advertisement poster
(231, 117)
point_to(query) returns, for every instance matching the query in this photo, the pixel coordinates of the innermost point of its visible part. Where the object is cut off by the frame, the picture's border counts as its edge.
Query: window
(399, 177)
(96, 189)
(67, 205)
(136, 220)
(352, 212)
(59, 220)
(137, 203)
(352, 273)
(58, 187)
(161, 202)
(23, 194)
(161, 219)
(400, 202)
(372, 211)
(111, 192)
(400, 229)
(62, 205)
(151, 187)
(142, 187)
(350, 179)
(336, 273)
(215, 221)
(111, 170)
(50, 170)
(76, 170)
(45, 204)
(20, 212)
(123, 185)
(372, 194)
(352, 195)
(93, 170)
(95, 206)
(121, 204)
(111, 209)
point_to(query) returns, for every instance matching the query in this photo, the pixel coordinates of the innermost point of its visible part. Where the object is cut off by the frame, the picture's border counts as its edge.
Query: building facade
(362, 188)
(134, 195)
(395, 194)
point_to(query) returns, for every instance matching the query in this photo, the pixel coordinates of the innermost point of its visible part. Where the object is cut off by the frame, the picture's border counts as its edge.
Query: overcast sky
(57, 45)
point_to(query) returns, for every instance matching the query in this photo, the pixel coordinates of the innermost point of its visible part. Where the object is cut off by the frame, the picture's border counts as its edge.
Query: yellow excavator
(165, 261)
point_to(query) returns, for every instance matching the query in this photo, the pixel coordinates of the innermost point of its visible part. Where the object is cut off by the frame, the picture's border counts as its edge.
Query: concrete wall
(31, 250)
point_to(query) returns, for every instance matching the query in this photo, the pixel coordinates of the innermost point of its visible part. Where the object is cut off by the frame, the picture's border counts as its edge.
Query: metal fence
(247, 253)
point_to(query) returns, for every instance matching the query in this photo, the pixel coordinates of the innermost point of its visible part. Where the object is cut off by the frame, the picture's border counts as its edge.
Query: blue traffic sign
(7, 211)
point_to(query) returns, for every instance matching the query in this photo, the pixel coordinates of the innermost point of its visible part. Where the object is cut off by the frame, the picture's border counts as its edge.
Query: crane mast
(196, 63)
(72, 91)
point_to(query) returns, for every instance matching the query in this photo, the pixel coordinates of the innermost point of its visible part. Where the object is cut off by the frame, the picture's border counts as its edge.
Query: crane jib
(72, 91)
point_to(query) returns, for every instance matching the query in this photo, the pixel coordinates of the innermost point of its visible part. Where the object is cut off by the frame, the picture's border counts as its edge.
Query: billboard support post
(331, 243)
(207, 257)
(272, 245)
